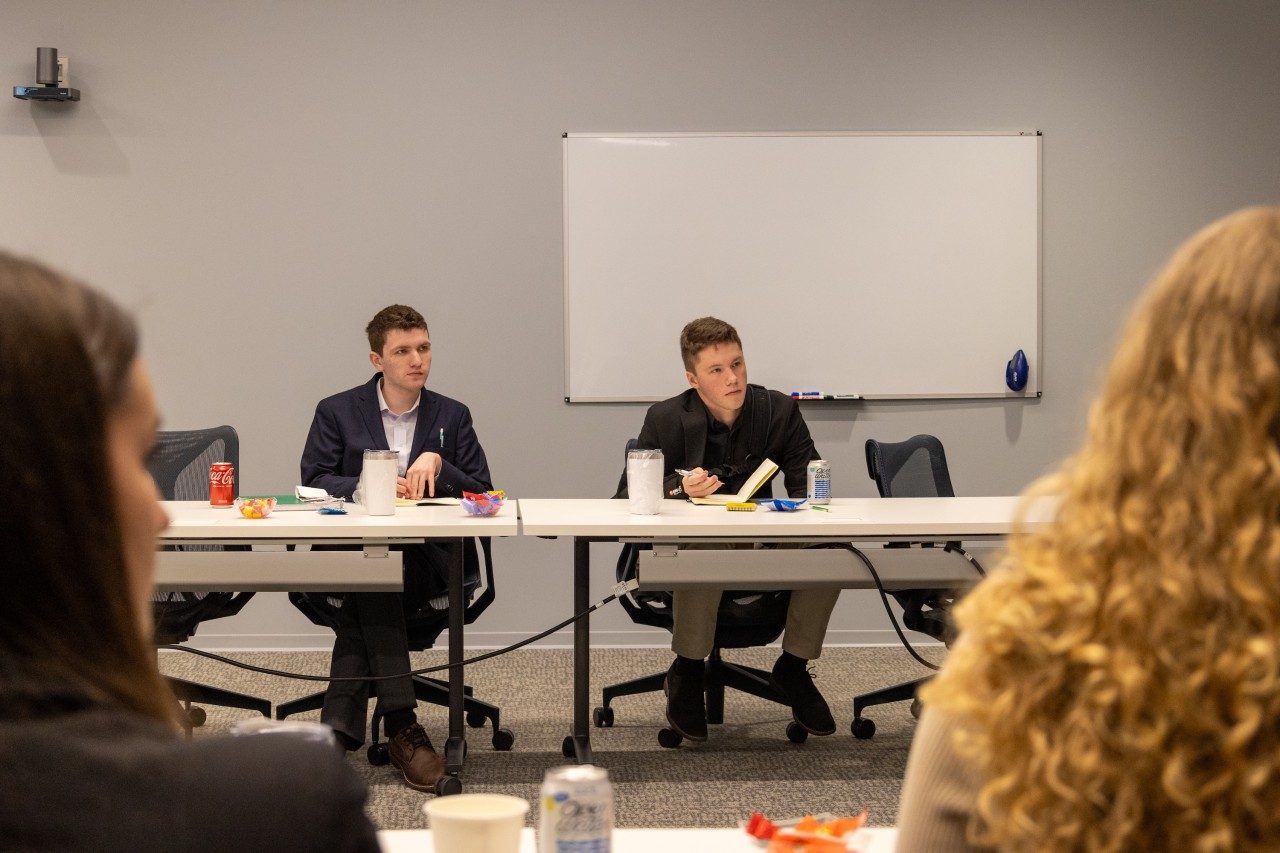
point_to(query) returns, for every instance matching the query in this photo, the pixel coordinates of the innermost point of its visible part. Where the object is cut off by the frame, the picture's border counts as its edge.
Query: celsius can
(222, 483)
(577, 810)
(819, 491)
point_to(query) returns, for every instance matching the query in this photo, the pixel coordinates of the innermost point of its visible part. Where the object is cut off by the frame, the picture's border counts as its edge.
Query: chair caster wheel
(797, 733)
(447, 786)
(197, 716)
(476, 720)
(503, 739)
(669, 738)
(916, 708)
(603, 718)
(566, 748)
(862, 728)
(378, 755)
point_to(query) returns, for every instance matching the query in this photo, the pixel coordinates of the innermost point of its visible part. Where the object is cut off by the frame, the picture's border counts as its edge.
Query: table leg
(455, 746)
(578, 745)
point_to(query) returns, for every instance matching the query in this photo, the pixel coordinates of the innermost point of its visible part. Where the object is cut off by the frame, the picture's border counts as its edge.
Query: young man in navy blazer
(440, 455)
(722, 429)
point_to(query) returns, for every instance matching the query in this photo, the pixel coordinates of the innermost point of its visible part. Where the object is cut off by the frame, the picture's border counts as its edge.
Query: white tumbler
(644, 481)
(378, 481)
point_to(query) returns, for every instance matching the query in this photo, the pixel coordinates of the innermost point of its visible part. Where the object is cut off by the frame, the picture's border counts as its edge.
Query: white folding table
(645, 840)
(372, 564)
(982, 522)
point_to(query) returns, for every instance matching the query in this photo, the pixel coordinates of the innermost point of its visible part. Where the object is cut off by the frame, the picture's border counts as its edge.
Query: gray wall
(255, 180)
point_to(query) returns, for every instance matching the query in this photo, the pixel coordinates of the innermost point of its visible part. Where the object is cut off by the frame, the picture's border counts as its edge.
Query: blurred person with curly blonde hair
(1117, 682)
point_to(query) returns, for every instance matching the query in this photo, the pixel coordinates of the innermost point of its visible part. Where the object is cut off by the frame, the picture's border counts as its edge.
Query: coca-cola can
(222, 483)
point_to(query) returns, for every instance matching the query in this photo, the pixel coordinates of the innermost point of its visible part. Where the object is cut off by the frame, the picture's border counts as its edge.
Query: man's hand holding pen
(698, 483)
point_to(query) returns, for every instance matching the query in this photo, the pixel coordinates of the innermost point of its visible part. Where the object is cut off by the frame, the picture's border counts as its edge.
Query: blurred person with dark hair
(90, 752)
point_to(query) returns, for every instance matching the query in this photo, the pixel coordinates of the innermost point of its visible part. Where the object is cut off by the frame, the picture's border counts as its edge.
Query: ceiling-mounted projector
(48, 78)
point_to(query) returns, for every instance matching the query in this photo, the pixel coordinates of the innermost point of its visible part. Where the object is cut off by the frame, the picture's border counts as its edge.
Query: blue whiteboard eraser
(1015, 372)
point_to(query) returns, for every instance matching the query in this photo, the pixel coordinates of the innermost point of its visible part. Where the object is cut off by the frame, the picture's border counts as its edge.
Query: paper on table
(766, 470)
(308, 493)
(305, 498)
(425, 501)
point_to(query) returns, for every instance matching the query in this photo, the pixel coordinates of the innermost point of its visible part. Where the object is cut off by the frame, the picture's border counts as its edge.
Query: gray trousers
(694, 621)
(370, 640)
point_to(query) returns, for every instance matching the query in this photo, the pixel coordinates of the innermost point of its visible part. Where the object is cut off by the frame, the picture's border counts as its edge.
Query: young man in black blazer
(721, 429)
(440, 455)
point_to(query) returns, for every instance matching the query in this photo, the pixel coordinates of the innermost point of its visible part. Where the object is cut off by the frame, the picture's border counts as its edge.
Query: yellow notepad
(766, 470)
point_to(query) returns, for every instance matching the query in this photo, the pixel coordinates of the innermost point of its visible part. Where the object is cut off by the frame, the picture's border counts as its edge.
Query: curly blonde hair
(1117, 684)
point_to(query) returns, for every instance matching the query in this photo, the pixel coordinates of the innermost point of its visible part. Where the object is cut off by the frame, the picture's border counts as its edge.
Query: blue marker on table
(805, 395)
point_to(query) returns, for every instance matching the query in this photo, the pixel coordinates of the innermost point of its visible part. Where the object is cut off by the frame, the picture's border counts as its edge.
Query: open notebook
(757, 479)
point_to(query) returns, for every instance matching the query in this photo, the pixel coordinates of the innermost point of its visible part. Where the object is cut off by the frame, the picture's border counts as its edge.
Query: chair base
(719, 674)
(863, 728)
(193, 691)
(433, 691)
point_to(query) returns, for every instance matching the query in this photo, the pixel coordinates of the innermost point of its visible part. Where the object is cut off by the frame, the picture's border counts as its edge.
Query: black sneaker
(686, 710)
(808, 708)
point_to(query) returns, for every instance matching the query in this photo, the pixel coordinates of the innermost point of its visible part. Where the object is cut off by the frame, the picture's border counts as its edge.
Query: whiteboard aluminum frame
(1039, 298)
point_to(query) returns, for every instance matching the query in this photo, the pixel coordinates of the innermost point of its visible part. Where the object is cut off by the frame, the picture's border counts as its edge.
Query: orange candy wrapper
(810, 834)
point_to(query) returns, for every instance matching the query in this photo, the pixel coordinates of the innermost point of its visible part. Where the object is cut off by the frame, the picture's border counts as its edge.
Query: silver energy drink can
(819, 491)
(577, 810)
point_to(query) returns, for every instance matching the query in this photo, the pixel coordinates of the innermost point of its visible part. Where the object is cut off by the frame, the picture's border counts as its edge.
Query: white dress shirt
(399, 429)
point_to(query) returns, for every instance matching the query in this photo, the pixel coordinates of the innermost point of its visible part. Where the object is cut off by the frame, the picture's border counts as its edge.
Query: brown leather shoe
(411, 753)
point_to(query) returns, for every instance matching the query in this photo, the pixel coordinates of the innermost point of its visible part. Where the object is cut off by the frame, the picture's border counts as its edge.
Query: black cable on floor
(884, 598)
(620, 589)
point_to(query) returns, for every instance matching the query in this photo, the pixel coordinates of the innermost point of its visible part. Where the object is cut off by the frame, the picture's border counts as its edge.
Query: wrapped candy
(255, 507)
(483, 503)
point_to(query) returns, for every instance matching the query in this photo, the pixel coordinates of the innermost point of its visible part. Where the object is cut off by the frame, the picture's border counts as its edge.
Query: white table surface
(198, 520)
(878, 840)
(848, 517)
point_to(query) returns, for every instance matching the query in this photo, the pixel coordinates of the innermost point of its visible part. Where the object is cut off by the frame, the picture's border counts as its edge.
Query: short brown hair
(392, 317)
(705, 332)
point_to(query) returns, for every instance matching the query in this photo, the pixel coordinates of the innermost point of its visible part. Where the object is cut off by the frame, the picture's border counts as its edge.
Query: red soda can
(222, 483)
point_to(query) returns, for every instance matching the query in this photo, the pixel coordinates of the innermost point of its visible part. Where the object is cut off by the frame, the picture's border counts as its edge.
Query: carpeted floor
(747, 764)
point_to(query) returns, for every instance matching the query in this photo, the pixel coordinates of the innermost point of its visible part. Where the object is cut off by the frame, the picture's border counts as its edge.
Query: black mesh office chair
(745, 619)
(423, 625)
(915, 468)
(180, 467)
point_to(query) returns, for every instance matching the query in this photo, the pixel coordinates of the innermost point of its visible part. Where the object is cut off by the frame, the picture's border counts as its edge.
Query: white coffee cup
(476, 823)
(644, 481)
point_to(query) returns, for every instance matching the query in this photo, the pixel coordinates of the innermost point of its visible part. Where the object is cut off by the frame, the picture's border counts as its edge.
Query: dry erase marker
(806, 395)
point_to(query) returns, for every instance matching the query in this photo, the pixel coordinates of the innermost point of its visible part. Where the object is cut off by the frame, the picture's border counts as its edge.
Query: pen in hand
(683, 472)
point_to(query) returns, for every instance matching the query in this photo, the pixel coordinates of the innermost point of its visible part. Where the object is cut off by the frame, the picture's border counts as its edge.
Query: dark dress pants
(369, 640)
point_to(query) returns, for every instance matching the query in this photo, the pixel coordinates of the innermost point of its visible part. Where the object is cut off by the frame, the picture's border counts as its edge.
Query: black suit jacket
(772, 428)
(347, 424)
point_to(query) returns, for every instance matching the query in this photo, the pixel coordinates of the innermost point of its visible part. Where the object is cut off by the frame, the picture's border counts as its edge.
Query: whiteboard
(879, 265)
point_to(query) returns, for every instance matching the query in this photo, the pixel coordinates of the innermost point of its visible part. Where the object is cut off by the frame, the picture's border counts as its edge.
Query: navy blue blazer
(347, 424)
